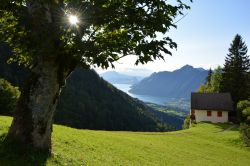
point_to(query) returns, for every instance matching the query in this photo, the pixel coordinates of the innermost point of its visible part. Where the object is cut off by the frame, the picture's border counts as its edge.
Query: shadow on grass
(14, 154)
(227, 127)
(224, 126)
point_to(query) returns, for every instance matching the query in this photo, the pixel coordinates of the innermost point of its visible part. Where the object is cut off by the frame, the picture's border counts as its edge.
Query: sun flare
(73, 19)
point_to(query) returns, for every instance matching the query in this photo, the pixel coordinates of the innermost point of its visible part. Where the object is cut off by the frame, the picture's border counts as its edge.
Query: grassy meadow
(203, 144)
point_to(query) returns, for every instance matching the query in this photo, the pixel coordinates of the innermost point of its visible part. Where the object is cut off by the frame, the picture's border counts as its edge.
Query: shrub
(8, 97)
(245, 133)
(243, 111)
(186, 123)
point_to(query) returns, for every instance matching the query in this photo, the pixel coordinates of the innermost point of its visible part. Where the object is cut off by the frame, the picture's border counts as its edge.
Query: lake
(146, 98)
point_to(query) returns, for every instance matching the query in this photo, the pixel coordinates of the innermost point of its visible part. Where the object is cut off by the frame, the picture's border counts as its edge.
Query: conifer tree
(236, 69)
(208, 79)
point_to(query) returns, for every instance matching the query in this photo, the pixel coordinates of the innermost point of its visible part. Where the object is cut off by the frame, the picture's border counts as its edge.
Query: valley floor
(204, 144)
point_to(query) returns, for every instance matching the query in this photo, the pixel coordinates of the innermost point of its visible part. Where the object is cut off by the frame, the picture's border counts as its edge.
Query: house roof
(212, 101)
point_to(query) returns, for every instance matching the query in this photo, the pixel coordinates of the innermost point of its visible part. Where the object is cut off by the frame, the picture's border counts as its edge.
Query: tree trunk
(33, 119)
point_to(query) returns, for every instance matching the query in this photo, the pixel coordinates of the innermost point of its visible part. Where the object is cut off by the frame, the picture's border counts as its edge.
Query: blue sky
(203, 36)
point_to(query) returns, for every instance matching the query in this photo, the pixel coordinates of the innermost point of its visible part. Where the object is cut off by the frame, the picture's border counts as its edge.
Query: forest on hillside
(89, 102)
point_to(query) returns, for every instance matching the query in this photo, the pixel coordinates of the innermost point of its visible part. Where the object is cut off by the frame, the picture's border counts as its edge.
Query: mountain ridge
(176, 84)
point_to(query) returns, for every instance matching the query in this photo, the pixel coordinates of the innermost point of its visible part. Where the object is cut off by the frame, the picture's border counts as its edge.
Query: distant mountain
(177, 84)
(118, 78)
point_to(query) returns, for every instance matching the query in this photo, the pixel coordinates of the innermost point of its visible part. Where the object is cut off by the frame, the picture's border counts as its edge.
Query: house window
(219, 114)
(209, 113)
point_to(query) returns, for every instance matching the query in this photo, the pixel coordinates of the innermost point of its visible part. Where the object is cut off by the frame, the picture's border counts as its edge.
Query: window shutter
(209, 113)
(219, 114)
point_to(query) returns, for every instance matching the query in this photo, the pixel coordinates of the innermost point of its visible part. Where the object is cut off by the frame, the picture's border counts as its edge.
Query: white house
(211, 107)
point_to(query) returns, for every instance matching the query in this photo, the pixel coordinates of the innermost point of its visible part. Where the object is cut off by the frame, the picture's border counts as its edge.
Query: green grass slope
(204, 144)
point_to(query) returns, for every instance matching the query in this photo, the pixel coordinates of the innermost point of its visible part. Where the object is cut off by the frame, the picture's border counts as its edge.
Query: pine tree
(236, 69)
(208, 79)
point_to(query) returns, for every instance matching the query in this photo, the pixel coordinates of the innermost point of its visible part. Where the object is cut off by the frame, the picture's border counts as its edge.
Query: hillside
(118, 78)
(204, 144)
(89, 102)
(177, 84)
(172, 115)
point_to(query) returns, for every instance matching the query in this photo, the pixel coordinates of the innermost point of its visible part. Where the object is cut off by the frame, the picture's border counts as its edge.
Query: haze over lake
(146, 98)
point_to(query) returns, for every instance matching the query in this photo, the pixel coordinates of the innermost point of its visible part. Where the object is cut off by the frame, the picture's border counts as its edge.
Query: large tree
(101, 32)
(235, 77)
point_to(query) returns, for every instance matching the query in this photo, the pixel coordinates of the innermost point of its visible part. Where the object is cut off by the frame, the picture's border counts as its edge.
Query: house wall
(201, 115)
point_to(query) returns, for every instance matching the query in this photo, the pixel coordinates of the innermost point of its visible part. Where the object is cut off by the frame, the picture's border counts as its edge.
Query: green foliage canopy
(243, 108)
(216, 79)
(213, 81)
(107, 31)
